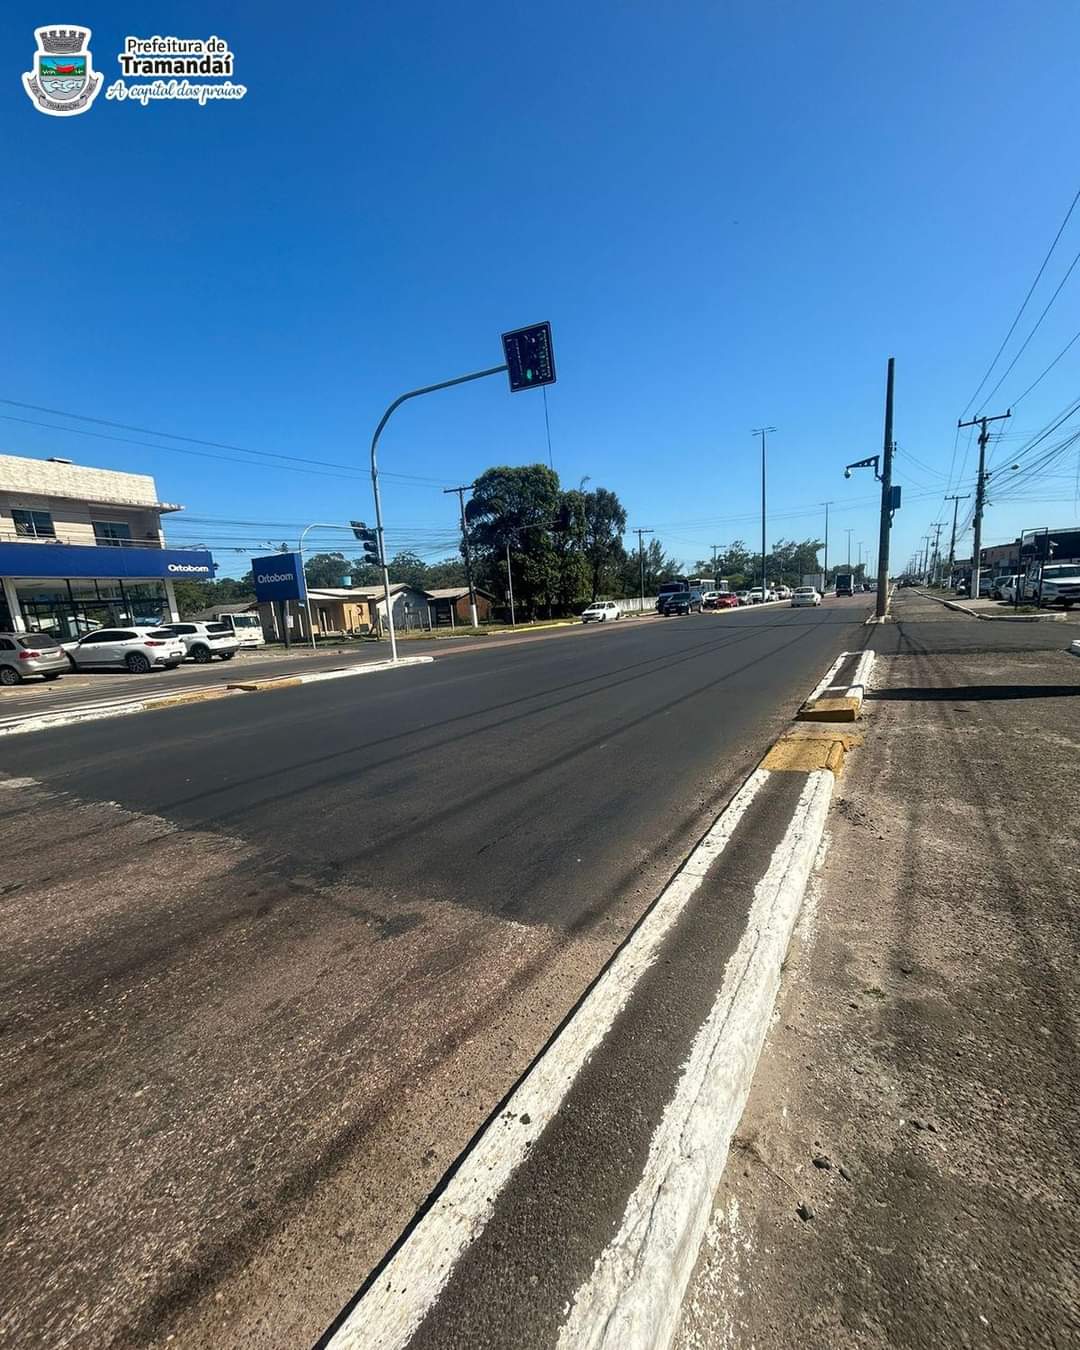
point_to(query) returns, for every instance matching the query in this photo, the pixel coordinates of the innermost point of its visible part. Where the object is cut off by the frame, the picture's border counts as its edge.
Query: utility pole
(952, 540)
(461, 491)
(980, 493)
(510, 585)
(861, 546)
(825, 579)
(641, 561)
(881, 599)
(715, 550)
(849, 533)
(937, 527)
(763, 432)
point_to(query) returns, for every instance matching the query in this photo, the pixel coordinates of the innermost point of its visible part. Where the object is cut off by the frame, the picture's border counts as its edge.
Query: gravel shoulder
(919, 1092)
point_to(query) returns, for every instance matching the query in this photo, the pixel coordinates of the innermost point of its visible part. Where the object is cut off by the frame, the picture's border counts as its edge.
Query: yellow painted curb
(806, 749)
(844, 709)
(267, 684)
(198, 696)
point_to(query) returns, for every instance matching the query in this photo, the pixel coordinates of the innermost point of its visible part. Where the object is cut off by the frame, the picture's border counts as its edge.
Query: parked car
(136, 649)
(23, 654)
(204, 641)
(743, 597)
(601, 611)
(680, 602)
(804, 595)
(709, 599)
(998, 586)
(726, 600)
(1060, 585)
(783, 592)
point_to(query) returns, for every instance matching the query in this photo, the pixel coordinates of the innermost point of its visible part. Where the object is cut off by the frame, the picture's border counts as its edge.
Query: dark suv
(681, 602)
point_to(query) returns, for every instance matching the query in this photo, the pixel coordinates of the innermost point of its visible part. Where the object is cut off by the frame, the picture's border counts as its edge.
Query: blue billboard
(34, 559)
(279, 577)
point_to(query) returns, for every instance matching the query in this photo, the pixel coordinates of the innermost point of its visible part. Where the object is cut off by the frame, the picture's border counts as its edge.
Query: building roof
(238, 607)
(455, 593)
(358, 592)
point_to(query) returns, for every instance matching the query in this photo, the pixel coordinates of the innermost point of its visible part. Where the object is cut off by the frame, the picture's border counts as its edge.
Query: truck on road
(845, 583)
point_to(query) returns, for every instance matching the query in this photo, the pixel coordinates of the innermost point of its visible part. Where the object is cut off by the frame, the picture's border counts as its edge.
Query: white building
(81, 548)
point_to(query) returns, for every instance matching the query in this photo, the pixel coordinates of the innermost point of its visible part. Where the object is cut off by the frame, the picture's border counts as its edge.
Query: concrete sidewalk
(905, 1172)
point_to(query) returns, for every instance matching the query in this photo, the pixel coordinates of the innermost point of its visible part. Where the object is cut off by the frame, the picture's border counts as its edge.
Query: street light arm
(427, 389)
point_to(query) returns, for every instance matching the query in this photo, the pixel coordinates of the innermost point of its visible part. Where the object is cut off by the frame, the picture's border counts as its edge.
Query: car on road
(783, 592)
(138, 650)
(204, 641)
(23, 654)
(724, 600)
(804, 595)
(681, 602)
(757, 597)
(743, 597)
(601, 611)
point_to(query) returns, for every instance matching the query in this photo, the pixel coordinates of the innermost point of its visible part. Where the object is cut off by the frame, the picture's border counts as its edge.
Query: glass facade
(69, 608)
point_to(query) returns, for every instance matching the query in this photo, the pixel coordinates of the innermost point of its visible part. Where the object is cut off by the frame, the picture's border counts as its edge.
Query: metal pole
(318, 525)
(825, 578)
(849, 533)
(761, 431)
(413, 393)
(885, 530)
(510, 585)
(465, 546)
(952, 540)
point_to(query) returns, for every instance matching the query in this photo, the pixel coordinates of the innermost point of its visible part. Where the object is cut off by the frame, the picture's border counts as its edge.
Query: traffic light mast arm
(413, 393)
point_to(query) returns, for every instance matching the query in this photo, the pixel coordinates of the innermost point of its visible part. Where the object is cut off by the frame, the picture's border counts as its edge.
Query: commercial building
(82, 548)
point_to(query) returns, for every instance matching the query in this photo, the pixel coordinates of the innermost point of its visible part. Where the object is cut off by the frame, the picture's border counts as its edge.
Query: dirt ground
(919, 1094)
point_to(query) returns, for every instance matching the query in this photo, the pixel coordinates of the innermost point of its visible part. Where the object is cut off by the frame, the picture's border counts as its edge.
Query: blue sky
(731, 214)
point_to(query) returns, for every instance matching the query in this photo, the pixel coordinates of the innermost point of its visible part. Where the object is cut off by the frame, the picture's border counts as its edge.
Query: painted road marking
(633, 1298)
(409, 1285)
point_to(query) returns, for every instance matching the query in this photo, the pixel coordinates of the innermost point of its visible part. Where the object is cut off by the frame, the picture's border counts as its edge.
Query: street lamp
(319, 525)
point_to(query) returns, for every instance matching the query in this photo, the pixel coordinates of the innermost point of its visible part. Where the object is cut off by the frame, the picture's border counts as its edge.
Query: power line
(1038, 322)
(1048, 369)
(1020, 311)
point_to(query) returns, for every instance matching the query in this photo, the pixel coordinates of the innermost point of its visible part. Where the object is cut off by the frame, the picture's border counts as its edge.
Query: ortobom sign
(279, 577)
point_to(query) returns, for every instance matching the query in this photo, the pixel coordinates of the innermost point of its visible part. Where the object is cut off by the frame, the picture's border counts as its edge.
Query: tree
(658, 566)
(568, 540)
(327, 569)
(605, 525)
(516, 506)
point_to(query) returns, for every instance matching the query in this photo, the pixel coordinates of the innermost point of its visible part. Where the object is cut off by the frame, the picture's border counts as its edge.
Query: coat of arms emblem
(62, 82)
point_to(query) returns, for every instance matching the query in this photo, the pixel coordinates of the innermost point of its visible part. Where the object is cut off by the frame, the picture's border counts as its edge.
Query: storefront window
(70, 609)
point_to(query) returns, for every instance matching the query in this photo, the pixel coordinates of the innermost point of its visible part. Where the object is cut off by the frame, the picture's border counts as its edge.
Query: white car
(600, 611)
(138, 650)
(204, 641)
(804, 595)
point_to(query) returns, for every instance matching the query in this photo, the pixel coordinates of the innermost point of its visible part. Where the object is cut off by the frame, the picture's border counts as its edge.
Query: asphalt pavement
(272, 962)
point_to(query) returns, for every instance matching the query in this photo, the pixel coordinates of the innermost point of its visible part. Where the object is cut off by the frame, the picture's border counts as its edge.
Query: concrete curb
(992, 618)
(840, 699)
(75, 716)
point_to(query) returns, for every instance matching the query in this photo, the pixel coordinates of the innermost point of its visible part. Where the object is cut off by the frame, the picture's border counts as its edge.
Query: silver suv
(204, 641)
(23, 654)
(136, 649)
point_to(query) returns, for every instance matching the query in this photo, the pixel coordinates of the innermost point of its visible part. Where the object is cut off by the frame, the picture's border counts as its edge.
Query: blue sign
(88, 560)
(279, 577)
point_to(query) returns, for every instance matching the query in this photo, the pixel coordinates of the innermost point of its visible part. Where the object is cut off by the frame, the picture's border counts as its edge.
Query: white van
(246, 627)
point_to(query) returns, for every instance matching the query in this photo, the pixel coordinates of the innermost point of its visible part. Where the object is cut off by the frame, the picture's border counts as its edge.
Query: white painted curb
(633, 1299)
(205, 693)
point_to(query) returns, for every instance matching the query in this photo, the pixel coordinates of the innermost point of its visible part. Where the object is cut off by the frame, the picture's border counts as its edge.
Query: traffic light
(370, 541)
(530, 357)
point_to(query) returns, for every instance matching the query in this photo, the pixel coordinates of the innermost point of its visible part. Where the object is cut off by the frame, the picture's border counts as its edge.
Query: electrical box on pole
(530, 356)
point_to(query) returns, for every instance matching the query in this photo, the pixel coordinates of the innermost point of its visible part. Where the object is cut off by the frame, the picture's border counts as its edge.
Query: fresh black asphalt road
(271, 962)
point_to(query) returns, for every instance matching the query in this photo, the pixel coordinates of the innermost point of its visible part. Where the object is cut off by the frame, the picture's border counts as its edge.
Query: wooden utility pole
(641, 561)
(980, 493)
(952, 540)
